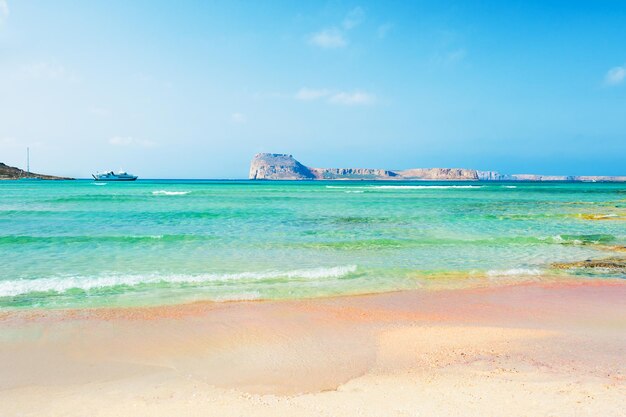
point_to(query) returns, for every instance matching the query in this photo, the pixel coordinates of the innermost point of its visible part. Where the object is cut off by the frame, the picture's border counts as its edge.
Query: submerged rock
(613, 264)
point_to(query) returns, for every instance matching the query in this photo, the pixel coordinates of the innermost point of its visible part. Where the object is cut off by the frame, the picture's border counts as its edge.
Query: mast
(28, 160)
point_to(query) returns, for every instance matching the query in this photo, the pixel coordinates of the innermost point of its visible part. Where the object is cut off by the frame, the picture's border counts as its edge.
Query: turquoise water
(82, 244)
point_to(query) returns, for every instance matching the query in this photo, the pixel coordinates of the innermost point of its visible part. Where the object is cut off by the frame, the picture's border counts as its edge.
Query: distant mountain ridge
(276, 166)
(12, 173)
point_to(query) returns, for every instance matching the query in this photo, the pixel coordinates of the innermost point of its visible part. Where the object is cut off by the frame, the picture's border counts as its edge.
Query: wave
(514, 272)
(99, 183)
(163, 192)
(580, 239)
(12, 288)
(391, 243)
(26, 239)
(426, 187)
(407, 187)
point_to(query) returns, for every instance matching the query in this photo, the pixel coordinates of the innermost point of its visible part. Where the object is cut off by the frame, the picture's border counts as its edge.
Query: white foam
(12, 288)
(354, 192)
(408, 187)
(514, 272)
(99, 183)
(427, 187)
(163, 192)
(510, 186)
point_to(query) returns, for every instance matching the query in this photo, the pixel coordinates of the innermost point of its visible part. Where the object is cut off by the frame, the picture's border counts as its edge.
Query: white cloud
(329, 38)
(355, 98)
(335, 37)
(130, 141)
(4, 10)
(238, 118)
(345, 98)
(9, 142)
(309, 94)
(353, 18)
(615, 76)
(47, 71)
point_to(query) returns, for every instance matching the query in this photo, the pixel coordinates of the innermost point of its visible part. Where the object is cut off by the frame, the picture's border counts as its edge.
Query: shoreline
(558, 344)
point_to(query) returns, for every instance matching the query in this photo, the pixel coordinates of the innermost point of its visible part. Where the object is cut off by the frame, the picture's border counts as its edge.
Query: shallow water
(83, 244)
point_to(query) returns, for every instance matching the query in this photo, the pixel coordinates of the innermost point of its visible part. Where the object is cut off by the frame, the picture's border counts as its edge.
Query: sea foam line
(13, 288)
(163, 192)
(408, 187)
(514, 272)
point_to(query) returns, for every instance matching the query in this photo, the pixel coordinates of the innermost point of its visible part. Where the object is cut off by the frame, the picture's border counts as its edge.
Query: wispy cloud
(47, 71)
(329, 38)
(354, 98)
(130, 141)
(336, 36)
(238, 118)
(9, 141)
(615, 76)
(309, 94)
(353, 18)
(4, 10)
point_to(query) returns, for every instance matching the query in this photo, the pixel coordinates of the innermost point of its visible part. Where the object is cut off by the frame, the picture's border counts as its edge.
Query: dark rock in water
(13, 173)
(613, 264)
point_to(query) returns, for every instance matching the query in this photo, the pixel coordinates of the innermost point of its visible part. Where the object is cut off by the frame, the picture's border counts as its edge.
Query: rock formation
(13, 173)
(272, 166)
(277, 166)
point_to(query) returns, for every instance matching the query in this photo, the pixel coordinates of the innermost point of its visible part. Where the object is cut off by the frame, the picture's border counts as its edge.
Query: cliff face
(272, 166)
(12, 173)
(278, 166)
(492, 176)
(438, 174)
(352, 173)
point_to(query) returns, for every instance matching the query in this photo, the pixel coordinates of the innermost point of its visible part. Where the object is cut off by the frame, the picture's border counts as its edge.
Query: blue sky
(193, 89)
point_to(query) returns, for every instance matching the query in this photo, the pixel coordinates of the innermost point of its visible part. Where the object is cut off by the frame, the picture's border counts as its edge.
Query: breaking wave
(514, 272)
(407, 187)
(59, 285)
(163, 192)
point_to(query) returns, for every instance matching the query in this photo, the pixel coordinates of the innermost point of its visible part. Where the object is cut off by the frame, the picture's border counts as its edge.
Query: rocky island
(273, 166)
(276, 166)
(12, 173)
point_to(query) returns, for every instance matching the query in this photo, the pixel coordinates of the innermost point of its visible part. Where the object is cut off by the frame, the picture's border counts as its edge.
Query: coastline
(525, 349)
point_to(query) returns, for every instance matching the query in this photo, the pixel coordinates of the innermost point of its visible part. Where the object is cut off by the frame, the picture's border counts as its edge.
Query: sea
(86, 244)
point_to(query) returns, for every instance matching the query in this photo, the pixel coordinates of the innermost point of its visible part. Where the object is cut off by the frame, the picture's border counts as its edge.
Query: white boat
(114, 176)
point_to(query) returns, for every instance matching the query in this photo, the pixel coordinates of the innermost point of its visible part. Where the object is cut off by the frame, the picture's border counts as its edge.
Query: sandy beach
(531, 349)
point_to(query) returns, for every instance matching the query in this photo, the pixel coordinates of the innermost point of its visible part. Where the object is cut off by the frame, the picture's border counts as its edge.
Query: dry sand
(526, 350)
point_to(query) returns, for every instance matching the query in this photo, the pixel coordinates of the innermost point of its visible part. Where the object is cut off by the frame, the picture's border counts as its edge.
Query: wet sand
(535, 349)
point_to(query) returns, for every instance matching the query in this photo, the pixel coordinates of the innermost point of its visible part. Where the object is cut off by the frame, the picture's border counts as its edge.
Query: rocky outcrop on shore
(12, 173)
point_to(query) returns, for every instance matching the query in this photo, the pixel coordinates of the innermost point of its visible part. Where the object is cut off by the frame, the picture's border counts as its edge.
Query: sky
(193, 89)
